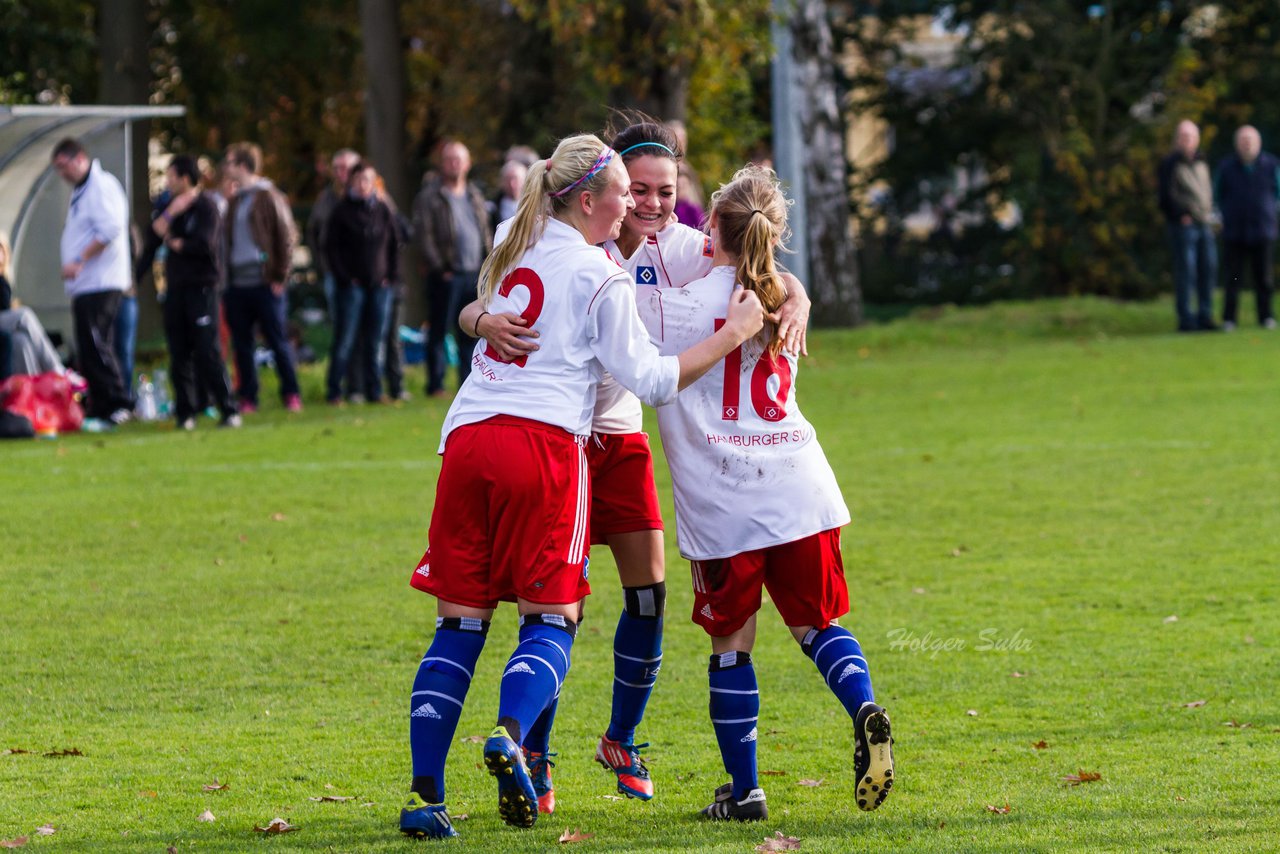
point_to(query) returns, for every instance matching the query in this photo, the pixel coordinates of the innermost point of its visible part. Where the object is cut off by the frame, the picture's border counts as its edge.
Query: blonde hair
(573, 159)
(6, 254)
(751, 220)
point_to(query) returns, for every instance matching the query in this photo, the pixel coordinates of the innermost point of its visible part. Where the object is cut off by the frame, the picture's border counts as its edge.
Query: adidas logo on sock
(706, 612)
(518, 667)
(751, 736)
(849, 671)
(426, 710)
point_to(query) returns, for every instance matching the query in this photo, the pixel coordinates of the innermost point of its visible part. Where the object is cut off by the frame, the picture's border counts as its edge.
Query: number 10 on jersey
(770, 407)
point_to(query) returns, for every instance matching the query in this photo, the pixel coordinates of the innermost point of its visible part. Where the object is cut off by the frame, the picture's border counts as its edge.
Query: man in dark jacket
(259, 240)
(451, 226)
(1186, 198)
(190, 228)
(1248, 187)
(362, 249)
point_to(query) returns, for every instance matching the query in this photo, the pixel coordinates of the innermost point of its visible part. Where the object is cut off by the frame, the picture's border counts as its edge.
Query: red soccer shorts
(623, 496)
(510, 517)
(805, 579)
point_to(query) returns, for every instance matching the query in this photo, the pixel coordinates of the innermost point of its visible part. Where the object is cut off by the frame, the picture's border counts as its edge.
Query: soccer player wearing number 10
(757, 504)
(510, 515)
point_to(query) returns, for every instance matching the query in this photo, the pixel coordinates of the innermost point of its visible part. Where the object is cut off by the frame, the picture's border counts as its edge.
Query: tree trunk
(384, 103)
(833, 273)
(125, 80)
(384, 126)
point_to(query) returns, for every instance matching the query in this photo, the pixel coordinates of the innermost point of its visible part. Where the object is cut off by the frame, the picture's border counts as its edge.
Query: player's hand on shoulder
(745, 315)
(508, 334)
(793, 317)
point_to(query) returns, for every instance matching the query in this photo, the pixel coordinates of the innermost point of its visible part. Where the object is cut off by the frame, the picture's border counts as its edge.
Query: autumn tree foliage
(1057, 112)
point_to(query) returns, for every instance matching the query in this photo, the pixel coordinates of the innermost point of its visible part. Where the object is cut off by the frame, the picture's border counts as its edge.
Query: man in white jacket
(97, 271)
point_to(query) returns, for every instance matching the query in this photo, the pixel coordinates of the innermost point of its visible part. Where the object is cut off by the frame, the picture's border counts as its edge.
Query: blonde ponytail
(549, 187)
(751, 221)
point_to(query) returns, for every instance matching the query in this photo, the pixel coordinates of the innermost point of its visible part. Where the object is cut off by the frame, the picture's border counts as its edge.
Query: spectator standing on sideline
(502, 207)
(317, 224)
(259, 241)
(96, 270)
(452, 229)
(362, 250)
(1186, 198)
(190, 228)
(1248, 186)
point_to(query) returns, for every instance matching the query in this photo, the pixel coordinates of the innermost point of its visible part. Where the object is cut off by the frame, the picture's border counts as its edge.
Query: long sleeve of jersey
(622, 345)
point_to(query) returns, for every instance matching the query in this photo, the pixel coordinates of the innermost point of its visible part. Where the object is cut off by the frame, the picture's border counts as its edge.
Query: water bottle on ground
(146, 406)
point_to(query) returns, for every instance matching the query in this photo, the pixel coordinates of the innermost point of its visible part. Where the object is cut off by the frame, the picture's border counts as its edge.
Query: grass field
(1064, 535)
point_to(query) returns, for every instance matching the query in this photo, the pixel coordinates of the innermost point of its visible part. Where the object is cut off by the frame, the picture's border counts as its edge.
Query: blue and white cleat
(422, 820)
(517, 801)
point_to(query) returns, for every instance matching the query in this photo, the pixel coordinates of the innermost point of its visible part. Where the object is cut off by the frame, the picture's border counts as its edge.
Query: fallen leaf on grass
(278, 517)
(205, 816)
(814, 783)
(171, 850)
(1179, 798)
(334, 798)
(919, 591)
(148, 794)
(375, 803)
(612, 797)
(472, 739)
(959, 550)
(330, 786)
(217, 561)
(46, 830)
(1082, 777)
(1004, 810)
(13, 843)
(277, 825)
(1194, 704)
(14, 751)
(1016, 675)
(1040, 745)
(244, 538)
(1172, 618)
(778, 842)
(773, 773)
(1237, 724)
(461, 817)
(574, 836)
(215, 786)
(973, 713)
(70, 751)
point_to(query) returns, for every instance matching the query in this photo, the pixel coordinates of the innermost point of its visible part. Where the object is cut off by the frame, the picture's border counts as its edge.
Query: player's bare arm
(507, 333)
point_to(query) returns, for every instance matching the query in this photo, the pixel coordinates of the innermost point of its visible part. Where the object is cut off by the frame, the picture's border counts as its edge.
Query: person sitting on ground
(25, 347)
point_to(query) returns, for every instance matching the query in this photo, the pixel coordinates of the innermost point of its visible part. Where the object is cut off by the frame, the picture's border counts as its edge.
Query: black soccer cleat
(872, 755)
(517, 801)
(725, 808)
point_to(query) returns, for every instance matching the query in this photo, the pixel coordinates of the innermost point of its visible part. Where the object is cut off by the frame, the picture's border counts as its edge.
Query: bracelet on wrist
(476, 330)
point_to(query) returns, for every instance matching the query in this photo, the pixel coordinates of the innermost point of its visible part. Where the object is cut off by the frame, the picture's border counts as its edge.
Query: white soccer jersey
(672, 258)
(583, 306)
(746, 468)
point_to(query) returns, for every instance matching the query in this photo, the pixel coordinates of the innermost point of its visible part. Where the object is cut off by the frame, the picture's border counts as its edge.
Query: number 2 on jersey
(767, 367)
(528, 279)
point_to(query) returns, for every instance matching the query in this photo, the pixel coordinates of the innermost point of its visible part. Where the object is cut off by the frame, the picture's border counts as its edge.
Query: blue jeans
(126, 338)
(445, 301)
(1195, 267)
(252, 306)
(357, 310)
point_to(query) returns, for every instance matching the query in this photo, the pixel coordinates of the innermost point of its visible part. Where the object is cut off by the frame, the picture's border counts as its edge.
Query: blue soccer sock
(637, 657)
(735, 709)
(535, 671)
(538, 739)
(839, 659)
(444, 675)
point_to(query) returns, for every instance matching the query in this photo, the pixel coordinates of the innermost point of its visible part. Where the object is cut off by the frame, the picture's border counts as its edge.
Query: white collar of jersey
(560, 230)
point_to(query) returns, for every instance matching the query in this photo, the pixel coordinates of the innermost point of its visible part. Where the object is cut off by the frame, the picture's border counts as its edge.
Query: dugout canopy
(33, 199)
